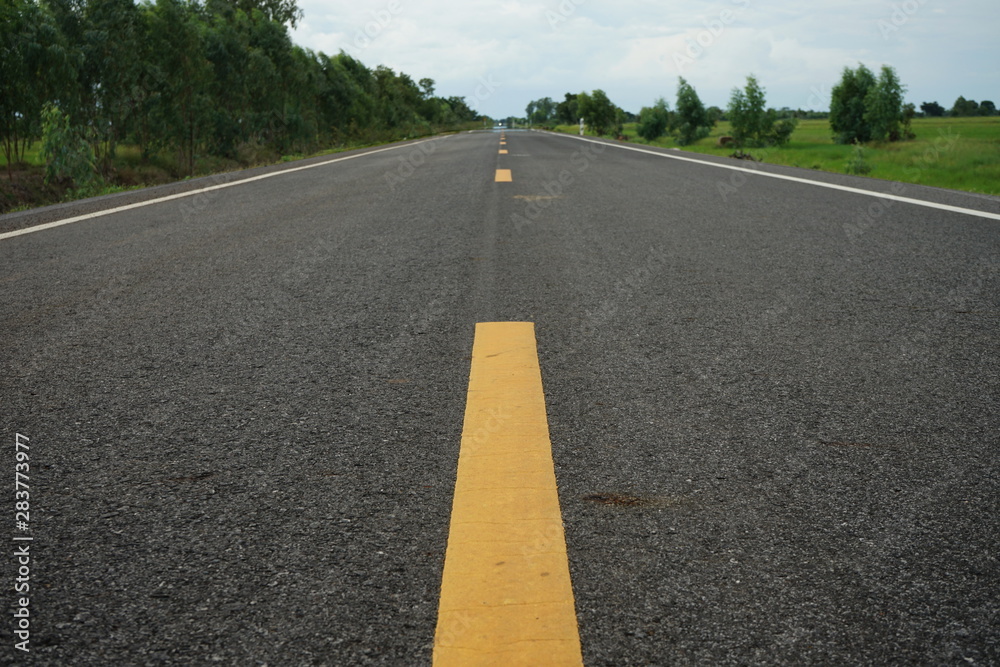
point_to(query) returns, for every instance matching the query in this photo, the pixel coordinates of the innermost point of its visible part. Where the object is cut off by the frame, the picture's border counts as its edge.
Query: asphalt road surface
(774, 408)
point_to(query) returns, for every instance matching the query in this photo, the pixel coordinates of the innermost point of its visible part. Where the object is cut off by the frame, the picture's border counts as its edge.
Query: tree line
(600, 113)
(195, 77)
(961, 107)
(864, 107)
(688, 122)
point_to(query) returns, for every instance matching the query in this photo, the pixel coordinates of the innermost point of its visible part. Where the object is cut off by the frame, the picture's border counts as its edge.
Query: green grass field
(31, 155)
(957, 153)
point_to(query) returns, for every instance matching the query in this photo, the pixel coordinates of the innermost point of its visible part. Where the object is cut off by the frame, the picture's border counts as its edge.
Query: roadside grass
(956, 153)
(130, 171)
(31, 156)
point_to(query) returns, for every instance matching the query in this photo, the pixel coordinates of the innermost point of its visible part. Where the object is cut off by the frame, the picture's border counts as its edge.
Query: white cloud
(635, 49)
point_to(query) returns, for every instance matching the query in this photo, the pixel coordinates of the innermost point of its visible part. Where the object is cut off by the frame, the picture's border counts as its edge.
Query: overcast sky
(500, 54)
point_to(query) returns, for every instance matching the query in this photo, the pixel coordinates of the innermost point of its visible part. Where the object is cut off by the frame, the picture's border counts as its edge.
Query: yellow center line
(503, 151)
(503, 176)
(506, 594)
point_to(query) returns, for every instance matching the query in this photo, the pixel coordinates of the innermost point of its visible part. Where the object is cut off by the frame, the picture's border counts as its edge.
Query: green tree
(529, 111)
(35, 66)
(271, 68)
(567, 112)
(185, 76)
(398, 100)
(348, 99)
(226, 45)
(748, 114)
(618, 125)
(964, 107)
(463, 113)
(597, 111)
(266, 94)
(282, 12)
(932, 109)
(301, 122)
(753, 124)
(884, 107)
(66, 152)
(114, 44)
(654, 121)
(847, 105)
(692, 122)
(197, 77)
(863, 108)
(427, 87)
(356, 95)
(909, 113)
(71, 25)
(541, 112)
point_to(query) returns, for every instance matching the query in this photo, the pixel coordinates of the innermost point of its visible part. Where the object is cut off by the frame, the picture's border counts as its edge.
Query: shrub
(863, 108)
(858, 164)
(884, 107)
(754, 124)
(692, 121)
(654, 121)
(66, 152)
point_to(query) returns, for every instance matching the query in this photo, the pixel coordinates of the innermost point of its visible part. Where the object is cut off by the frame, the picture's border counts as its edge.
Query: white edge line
(795, 179)
(179, 195)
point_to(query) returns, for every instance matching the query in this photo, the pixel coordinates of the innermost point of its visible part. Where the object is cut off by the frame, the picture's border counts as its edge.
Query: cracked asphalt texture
(774, 420)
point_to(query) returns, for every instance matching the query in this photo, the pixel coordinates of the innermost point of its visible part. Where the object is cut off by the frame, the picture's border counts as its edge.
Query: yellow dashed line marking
(503, 151)
(503, 176)
(506, 594)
